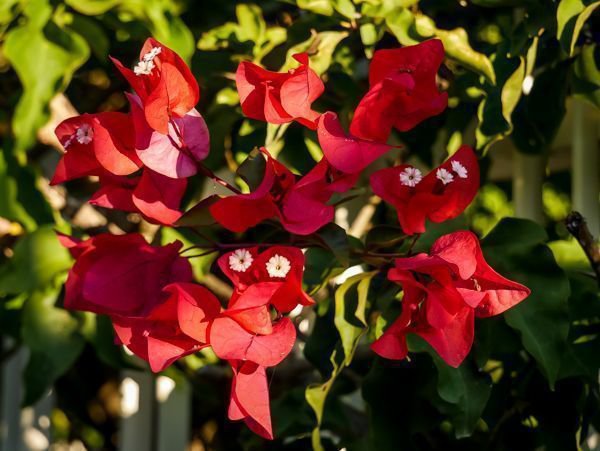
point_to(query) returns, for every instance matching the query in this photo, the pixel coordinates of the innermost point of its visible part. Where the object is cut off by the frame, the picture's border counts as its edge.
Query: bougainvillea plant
(143, 160)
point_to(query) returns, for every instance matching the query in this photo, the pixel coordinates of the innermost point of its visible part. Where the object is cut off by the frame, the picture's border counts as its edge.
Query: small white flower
(445, 176)
(240, 260)
(144, 67)
(410, 177)
(84, 134)
(152, 54)
(460, 170)
(278, 266)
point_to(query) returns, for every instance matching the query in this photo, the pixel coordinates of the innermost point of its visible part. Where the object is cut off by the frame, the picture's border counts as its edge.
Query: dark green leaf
(52, 336)
(252, 169)
(38, 259)
(515, 249)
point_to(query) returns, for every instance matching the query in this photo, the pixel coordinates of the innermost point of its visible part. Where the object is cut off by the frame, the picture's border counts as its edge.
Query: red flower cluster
(163, 316)
(300, 205)
(142, 160)
(443, 292)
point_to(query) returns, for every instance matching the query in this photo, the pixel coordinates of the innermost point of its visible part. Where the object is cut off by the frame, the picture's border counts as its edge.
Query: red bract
(403, 91)
(96, 144)
(153, 195)
(300, 206)
(276, 97)
(277, 271)
(346, 153)
(176, 153)
(230, 341)
(121, 274)
(164, 83)
(441, 307)
(159, 337)
(250, 398)
(442, 194)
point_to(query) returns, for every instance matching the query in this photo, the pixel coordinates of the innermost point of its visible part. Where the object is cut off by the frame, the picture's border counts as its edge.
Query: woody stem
(208, 173)
(201, 168)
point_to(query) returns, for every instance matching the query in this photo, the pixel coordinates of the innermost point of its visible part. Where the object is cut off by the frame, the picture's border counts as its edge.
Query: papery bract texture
(163, 82)
(443, 292)
(345, 152)
(403, 91)
(96, 144)
(442, 194)
(277, 97)
(122, 274)
(250, 398)
(176, 153)
(300, 205)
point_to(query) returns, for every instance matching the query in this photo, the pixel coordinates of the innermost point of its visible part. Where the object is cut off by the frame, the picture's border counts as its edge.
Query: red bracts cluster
(143, 158)
(443, 293)
(163, 316)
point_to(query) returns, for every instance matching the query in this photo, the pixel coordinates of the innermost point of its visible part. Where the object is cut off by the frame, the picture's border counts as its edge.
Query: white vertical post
(25, 429)
(137, 431)
(528, 179)
(174, 413)
(586, 163)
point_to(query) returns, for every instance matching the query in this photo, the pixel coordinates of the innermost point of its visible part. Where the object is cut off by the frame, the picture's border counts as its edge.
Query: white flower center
(445, 176)
(410, 177)
(240, 260)
(152, 54)
(83, 135)
(278, 266)
(146, 64)
(459, 169)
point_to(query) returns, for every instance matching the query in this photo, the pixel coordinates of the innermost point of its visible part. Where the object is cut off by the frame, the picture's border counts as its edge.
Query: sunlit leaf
(571, 15)
(45, 58)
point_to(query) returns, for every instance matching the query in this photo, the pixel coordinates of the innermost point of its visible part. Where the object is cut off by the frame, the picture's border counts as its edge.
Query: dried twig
(577, 227)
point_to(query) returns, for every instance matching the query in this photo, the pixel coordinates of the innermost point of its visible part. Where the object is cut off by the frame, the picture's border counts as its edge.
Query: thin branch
(577, 227)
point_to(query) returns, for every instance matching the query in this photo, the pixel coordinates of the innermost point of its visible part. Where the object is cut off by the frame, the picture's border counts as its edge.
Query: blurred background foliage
(513, 68)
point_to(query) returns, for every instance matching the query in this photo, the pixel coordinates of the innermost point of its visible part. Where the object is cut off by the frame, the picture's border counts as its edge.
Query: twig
(577, 227)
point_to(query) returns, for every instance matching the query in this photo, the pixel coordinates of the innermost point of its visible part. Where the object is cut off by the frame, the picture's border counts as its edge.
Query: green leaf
(52, 336)
(411, 29)
(38, 259)
(401, 23)
(538, 116)
(384, 236)
(315, 395)
(199, 214)
(350, 322)
(320, 47)
(467, 391)
(20, 200)
(495, 110)
(349, 317)
(45, 58)
(335, 239)
(571, 15)
(252, 169)
(515, 249)
(586, 75)
(217, 38)
(252, 26)
(324, 7)
(92, 7)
